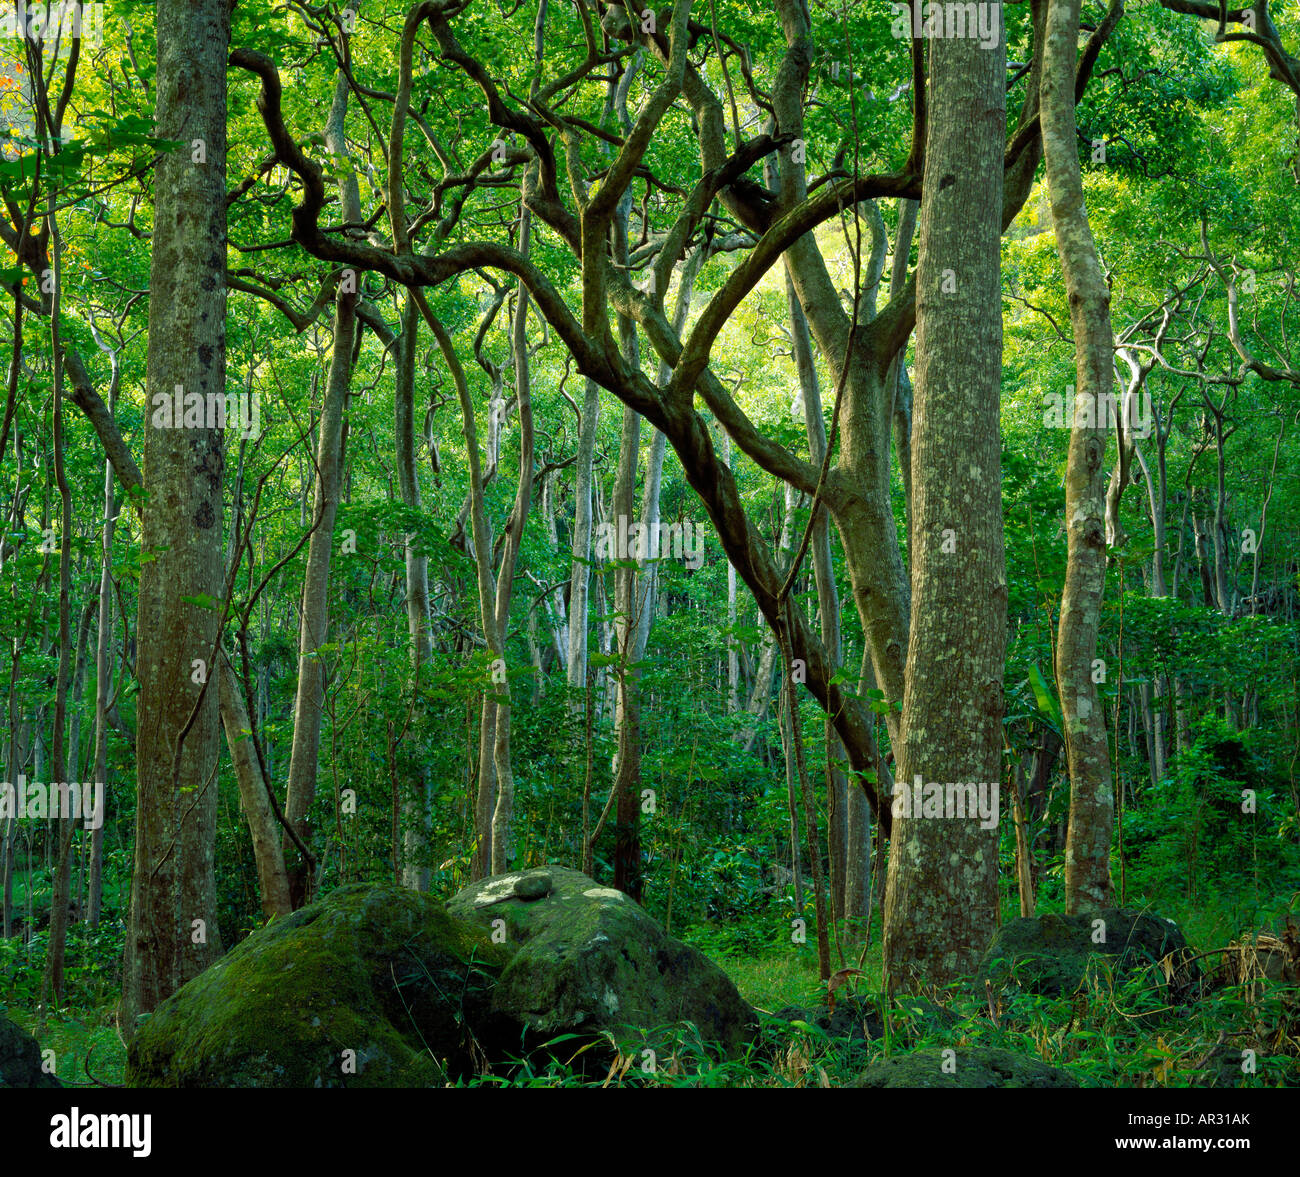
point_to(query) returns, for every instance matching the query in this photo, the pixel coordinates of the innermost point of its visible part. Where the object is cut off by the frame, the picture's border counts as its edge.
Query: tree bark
(503, 811)
(1092, 806)
(580, 551)
(941, 905)
(313, 630)
(254, 798)
(417, 785)
(181, 522)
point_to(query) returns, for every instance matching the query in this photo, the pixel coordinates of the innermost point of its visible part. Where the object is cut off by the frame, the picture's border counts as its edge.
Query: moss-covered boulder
(20, 1059)
(586, 958)
(964, 1066)
(1051, 954)
(371, 987)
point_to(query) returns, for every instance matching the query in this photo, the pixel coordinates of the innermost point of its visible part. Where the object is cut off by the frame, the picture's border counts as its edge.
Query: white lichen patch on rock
(602, 893)
(611, 1000)
(497, 889)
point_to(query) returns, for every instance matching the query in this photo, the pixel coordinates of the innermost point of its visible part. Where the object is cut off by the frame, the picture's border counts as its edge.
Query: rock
(1050, 954)
(379, 971)
(20, 1059)
(585, 958)
(964, 1066)
(534, 885)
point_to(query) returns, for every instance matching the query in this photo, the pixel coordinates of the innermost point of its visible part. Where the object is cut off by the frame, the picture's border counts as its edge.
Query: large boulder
(371, 987)
(585, 958)
(1051, 954)
(964, 1066)
(20, 1059)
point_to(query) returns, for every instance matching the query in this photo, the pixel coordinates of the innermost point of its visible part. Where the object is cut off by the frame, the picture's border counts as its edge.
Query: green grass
(76, 1041)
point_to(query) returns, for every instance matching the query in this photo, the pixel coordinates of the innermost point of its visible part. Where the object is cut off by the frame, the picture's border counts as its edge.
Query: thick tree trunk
(172, 919)
(1092, 807)
(941, 907)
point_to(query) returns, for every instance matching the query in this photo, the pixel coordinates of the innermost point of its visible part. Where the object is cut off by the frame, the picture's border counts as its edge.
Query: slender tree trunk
(1092, 807)
(62, 825)
(503, 848)
(172, 930)
(416, 780)
(733, 654)
(313, 631)
(627, 714)
(254, 797)
(828, 613)
(481, 861)
(941, 906)
(103, 659)
(580, 555)
(648, 577)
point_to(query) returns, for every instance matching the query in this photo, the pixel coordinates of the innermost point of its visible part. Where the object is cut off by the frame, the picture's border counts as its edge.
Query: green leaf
(1044, 697)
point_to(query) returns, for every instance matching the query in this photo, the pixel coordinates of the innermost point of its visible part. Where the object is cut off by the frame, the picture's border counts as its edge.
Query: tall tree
(172, 931)
(313, 628)
(1092, 806)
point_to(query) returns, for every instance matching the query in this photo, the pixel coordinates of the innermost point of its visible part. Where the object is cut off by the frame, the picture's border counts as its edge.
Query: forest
(561, 543)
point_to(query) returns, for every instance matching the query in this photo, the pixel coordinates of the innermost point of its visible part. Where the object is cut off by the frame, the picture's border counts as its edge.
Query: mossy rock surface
(1051, 954)
(980, 1066)
(20, 1059)
(586, 958)
(382, 972)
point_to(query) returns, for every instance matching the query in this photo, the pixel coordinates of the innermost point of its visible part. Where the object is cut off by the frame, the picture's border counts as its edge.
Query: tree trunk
(580, 554)
(416, 783)
(1092, 806)
(103, 658)
(503, 813)
(828, 614)
(181, 522)
(254, 797)
(941, 906)
(313, 631)
(63, 826)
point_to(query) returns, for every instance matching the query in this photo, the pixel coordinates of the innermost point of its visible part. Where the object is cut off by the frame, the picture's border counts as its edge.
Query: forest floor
(1106, 1035)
